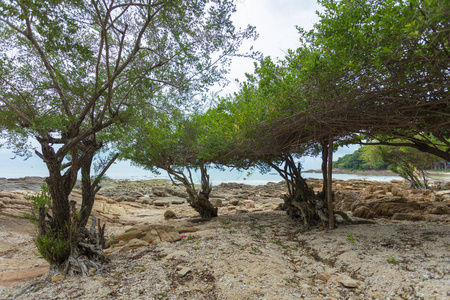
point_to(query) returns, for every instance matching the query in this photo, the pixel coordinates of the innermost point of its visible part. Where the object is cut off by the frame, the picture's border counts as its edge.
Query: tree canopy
(69, 70)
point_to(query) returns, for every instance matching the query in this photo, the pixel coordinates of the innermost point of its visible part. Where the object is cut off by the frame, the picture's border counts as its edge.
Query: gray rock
(347, 281)
(234, 201)
(161, 203)
(178, 201)
(170, 214)
(184, 271)
(216, 202)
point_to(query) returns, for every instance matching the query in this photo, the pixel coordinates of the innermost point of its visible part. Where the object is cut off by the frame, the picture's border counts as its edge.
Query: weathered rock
(126, 236)
(249, 203)
(178, 201)
(160, 192)
(146, 200)
(364, 212)
(241, 211)
(2, 205)
(183, 271)
(161, 203)
(388, 206)
(216, 202)
(13, 277)
(234, 201)
(408, 216)
(137, 243)
(169, 214)
(59, 277)
(186, 229)
(159, 233)
(323, 277)
(347, 281)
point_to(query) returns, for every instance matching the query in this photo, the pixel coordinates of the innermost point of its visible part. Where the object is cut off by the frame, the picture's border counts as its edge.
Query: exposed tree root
(86, 256)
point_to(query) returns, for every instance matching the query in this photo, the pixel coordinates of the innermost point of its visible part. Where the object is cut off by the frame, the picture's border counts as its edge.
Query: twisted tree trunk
(199, 200)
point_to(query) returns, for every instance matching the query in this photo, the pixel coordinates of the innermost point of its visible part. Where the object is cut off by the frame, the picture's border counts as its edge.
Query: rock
(169, 214)
(13, 277)
(323, 277)
(186, 229)
(57, 278)
(171, 236)
(241, 211)
(216, 202)
(159, 233)
(234, 201)
(146, 200)
(364, 212)
(2, 205)
(442, 193)
(92, 271)
(347, 281)
(137, 243)
(130, 199)
(178, 201)
(126, 236)
(183, 271)
(160, 192)
(249, 203)
(161, 203)
(407, 216)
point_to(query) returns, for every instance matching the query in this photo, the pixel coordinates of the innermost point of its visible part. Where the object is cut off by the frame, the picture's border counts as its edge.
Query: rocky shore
(160, 249)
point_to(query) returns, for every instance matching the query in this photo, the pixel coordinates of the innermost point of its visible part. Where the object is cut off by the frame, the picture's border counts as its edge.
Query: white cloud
(275, 22)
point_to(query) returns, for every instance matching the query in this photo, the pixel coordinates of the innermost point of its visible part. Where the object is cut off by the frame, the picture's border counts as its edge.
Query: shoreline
(35, 182)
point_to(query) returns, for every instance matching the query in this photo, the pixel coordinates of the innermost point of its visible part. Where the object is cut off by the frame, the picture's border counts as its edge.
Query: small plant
(392, 260)
(255, 226)
(52, 245)
(226, 222)
(351, 237)
(256, 250)
(198, 242)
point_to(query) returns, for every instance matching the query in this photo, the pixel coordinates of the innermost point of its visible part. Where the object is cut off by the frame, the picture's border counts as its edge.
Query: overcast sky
(275, 21)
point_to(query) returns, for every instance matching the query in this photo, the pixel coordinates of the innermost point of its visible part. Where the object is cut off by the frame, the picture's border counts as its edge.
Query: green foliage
(53, 247)
(358, 161)
(407, 162)
(351, 237)
(41, 200)
(392, 260)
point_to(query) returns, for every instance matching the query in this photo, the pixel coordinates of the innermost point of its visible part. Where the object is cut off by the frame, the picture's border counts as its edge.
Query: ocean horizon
(124, 170)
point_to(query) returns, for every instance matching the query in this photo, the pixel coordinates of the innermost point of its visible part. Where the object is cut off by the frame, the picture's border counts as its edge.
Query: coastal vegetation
(78, 76)
(72, 71)
(407, 162)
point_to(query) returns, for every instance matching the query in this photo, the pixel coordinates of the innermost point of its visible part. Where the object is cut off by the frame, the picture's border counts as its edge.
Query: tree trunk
(300, 201)
(199, 200)
(324, 168)
(330, 183)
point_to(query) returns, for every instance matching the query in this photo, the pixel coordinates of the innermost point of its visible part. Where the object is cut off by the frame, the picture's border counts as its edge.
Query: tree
(407, 162)
(244, 123)
(358, 161)
(385, 64)
(70, 70)
(169, 140)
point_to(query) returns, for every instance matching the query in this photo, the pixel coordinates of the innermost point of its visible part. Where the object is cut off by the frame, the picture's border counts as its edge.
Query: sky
(275, 21)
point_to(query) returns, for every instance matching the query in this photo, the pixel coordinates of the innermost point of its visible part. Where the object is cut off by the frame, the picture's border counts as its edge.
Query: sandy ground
(250, 255)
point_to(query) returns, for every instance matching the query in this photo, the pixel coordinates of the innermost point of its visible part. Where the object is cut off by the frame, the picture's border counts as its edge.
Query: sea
(17, 167)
